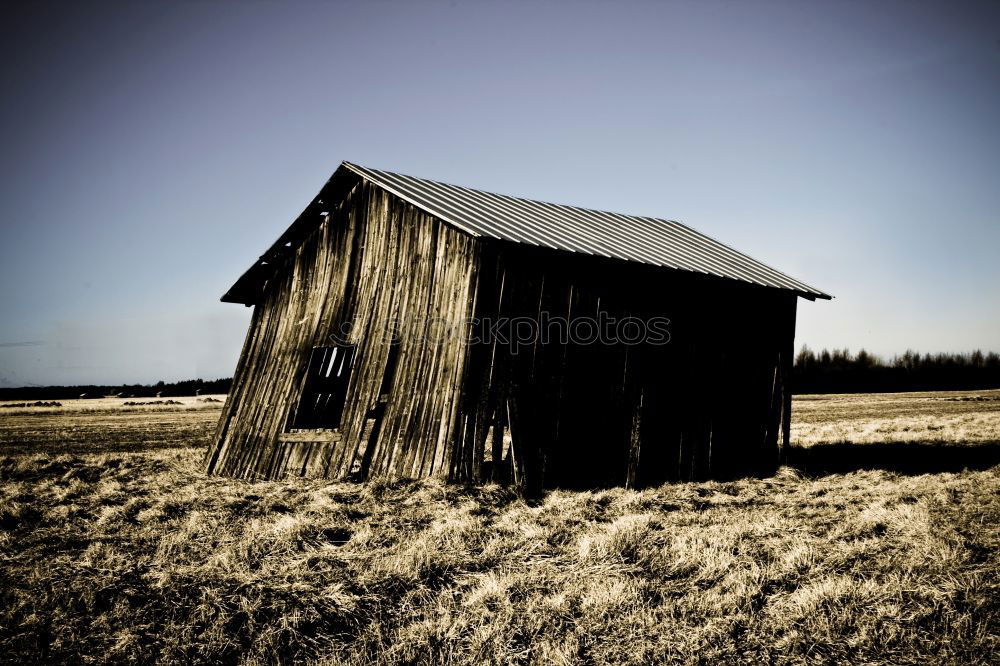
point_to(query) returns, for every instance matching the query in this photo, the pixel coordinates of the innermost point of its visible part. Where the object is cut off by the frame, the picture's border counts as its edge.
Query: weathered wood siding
(713, 402)
(373, 266)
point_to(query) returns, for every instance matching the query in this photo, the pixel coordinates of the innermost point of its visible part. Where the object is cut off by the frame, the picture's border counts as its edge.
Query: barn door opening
(325, 390)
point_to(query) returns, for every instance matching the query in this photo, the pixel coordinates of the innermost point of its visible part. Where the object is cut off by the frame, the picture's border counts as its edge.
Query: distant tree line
(840, 371)
(836, 371)
(161, 389)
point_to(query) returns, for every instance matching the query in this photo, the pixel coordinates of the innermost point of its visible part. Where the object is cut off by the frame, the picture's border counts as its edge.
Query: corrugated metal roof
(645, 240)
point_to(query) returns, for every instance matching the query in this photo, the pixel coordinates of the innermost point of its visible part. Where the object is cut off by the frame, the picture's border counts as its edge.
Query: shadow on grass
(898, 457)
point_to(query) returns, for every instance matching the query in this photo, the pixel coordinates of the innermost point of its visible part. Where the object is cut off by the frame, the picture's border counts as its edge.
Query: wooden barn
(407, 328)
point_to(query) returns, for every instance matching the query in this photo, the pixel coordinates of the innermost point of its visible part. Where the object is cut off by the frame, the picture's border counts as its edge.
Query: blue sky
(151, 151)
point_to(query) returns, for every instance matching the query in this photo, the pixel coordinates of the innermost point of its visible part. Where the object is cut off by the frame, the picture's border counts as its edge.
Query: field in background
(942, 417)
(114, 547)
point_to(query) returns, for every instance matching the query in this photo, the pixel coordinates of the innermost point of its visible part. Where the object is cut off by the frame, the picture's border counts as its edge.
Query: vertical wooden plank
(632, 478)
(787, 352)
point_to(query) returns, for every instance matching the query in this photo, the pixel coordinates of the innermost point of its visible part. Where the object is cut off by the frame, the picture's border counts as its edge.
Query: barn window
(325, 391)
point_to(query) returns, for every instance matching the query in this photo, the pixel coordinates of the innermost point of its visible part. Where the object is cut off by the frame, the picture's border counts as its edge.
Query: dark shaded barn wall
(374, 261)
(713, 402)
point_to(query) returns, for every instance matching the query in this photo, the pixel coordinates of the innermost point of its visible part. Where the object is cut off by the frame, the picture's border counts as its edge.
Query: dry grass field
(880, 544)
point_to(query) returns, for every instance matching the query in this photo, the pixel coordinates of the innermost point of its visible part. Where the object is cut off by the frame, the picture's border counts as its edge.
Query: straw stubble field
(881, 543)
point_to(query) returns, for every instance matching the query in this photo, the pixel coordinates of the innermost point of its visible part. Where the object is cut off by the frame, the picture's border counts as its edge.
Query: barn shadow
(908, 458)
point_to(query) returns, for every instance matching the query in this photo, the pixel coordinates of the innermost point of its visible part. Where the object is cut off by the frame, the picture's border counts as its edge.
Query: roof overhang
(249, 288)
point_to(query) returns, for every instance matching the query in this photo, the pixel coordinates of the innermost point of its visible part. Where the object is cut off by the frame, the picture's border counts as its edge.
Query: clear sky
(152, 150)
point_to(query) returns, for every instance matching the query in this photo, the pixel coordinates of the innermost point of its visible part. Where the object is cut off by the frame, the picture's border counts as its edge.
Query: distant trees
(829, 371)
(160, 389)
(839, 371)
